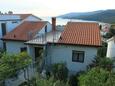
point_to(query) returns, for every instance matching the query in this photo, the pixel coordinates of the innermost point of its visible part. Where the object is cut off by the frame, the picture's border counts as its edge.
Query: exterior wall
(14, 47)
(42, 31)
(111, 49)
(31, 51)
(9, 27)
(32, 18)
(58, 54)
(9, 17)
(16, 81)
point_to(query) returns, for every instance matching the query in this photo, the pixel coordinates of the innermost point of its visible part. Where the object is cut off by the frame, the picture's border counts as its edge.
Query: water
(61, 21)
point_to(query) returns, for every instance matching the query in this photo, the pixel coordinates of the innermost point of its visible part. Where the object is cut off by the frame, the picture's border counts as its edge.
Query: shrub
(102, 62)
(97, 77)
(60, 71)
(11, 64)
(73, 80)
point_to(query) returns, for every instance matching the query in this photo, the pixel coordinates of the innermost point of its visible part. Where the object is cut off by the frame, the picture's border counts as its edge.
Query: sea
(61, 21)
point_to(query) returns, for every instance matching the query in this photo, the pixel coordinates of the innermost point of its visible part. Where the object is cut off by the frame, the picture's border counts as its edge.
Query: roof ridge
(82, 22)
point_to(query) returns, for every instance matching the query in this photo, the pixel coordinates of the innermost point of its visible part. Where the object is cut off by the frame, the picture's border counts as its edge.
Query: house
(10, 21)
(15, 39)
(76, 46)
(111, 48)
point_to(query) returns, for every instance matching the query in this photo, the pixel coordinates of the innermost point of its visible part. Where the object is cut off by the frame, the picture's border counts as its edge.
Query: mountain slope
(103, 16)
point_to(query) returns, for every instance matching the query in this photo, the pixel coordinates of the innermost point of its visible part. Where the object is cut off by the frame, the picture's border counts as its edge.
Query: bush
(11, 64)
(73, 80)
(60, 71)
(102, 62)
(38, 81)
(97, 77)
(102, 50)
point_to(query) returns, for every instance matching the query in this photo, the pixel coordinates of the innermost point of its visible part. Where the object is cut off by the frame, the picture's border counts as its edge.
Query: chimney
(53, 23)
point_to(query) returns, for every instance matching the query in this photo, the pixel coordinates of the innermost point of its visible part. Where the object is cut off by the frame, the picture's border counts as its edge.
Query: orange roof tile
(23, 16)
(21, 33)
(81, 33)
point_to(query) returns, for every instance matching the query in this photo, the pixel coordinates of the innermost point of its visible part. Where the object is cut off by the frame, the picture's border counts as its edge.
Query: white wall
(31, 51)
(9, 17)
(64, 54)
(42, 31)
(16, 81)
(32, 18)
(14, 47)
(9, 26)
(111, 49)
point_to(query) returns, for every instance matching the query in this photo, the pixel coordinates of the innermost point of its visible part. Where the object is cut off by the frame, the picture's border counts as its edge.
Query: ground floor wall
(14, 46)
(22, 76)
(63, 53)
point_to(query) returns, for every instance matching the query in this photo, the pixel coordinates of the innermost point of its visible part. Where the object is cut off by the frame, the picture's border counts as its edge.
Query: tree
(10, 64)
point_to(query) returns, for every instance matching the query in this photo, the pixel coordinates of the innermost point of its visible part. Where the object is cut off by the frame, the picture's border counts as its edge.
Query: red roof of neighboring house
(23, 16)
(81, 33)
(21, 32)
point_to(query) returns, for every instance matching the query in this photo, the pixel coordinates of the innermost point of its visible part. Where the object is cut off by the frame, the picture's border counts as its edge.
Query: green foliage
(102, 50)
(73, 80)
(39, 81)
(60, 71)
(102, 62)
(1, 52)
(50, 82)
(97, 77)
(11, 64)
(105, 62)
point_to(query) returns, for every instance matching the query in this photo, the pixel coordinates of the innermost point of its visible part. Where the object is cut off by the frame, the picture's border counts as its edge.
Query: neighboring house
(10, 21)
(111, 48)
(15, 39)
(76, 46)
(24, 32)
(104, 27)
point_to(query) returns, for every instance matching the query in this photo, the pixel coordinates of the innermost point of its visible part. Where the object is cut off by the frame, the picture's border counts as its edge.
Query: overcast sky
(54, 7)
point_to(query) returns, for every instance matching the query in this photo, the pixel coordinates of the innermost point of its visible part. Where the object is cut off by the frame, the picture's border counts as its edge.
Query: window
(3, 26)
(14, 21)
(23, 49)
(46, 29)
(77, 56)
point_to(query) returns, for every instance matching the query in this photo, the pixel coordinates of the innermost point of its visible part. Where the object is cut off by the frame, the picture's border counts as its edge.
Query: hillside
(107, 16)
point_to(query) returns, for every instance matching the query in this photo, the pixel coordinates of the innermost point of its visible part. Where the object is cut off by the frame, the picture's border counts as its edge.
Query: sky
(54, 7)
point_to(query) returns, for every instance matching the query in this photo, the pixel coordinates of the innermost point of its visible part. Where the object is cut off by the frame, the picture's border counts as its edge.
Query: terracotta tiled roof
(81, 33)
(25, 31)
(23, 16)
